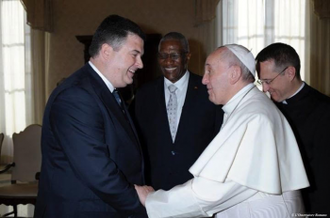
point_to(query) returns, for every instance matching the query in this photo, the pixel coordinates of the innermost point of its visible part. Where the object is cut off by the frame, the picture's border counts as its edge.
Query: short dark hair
(282, 54)
(113, 30)
(176, 36)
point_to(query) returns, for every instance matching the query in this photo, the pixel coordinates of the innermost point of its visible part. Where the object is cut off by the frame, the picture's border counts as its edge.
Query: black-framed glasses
(269, 81)
(172, 56)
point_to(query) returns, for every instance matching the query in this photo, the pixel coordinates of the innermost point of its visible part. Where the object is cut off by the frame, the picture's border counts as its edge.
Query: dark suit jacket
(90, 153)
(308, 113)
(167, 162)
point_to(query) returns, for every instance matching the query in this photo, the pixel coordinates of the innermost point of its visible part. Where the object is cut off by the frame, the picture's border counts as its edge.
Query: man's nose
(168, 60)
(265, 87)
(205, 79)
(139, 63)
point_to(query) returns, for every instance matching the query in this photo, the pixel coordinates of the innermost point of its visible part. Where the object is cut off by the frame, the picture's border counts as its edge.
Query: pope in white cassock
(253, 167)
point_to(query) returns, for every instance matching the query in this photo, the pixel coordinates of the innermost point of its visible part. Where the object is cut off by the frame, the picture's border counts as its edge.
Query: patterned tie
(171, 110)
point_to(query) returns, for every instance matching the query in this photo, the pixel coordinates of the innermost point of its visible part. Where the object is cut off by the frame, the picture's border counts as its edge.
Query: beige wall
(82, 17)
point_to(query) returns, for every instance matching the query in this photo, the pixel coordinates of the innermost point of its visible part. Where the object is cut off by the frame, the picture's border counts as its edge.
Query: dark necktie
(120, 102)
(118, 99)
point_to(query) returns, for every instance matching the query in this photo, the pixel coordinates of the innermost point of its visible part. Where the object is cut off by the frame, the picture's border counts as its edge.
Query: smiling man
(91, 155)
(174, 125)
(308, 112)
(252, 168)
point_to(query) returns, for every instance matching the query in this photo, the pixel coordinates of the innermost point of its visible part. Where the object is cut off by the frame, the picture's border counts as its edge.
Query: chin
(171, 79)
(129, 81)
(212, 100)
(276, 99)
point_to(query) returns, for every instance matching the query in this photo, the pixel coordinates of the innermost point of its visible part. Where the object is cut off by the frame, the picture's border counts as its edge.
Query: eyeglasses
(269, 81)
(173, 56)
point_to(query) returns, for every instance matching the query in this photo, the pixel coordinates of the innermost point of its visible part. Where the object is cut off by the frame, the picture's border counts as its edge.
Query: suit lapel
(162, 106)
(192, 91)
(112, 106)
(131, 122)
(188, 106)
(160, 92)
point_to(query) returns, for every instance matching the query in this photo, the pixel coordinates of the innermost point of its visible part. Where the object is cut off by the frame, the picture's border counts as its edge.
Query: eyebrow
(172, 51)
(137, 51)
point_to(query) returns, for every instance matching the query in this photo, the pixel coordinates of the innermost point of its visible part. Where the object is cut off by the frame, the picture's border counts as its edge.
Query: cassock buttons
(173, 153)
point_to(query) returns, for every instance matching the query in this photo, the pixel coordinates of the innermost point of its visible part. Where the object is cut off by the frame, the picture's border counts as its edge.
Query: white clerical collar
(231, 104)
(105, 80)
(300, 88)
(180, 84)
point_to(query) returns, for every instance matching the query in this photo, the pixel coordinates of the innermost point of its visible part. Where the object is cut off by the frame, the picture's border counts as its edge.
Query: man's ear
(235, 74)
(106, 51)
(188, 55)
(291, 72)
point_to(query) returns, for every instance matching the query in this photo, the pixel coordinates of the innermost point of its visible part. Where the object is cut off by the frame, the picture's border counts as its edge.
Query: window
(14, 72)
(15, 82)
(258, 23)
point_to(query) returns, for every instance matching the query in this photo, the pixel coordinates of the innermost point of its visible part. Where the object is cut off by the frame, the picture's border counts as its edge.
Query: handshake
(143, 192)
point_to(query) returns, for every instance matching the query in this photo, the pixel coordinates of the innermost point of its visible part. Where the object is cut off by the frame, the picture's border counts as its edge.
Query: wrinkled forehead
(217, 57)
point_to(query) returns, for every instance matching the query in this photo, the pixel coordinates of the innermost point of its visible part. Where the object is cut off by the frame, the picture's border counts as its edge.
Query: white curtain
(258, 23)
(15, 73)
(20, 86)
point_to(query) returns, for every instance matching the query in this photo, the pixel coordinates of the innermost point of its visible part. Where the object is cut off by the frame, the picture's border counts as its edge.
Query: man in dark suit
(91, 155)
(308, 112)
(173, 138)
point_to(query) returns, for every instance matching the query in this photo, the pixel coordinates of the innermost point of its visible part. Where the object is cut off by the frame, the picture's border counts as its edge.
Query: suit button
(173, 153)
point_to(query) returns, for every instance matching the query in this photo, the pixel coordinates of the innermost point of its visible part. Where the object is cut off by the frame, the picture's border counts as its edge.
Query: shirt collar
(300, 88)
(105, 80)
(231, 104)
(180, 83)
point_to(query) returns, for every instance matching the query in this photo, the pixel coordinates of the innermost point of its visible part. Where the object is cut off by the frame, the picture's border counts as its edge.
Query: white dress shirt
(182, 86)
(105, 80)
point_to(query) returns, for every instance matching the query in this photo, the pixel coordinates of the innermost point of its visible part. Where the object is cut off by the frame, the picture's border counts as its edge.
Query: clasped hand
(143, 192)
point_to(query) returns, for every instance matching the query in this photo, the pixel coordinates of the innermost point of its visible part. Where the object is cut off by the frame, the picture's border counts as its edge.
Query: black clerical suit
(168, 162)
(308, 113)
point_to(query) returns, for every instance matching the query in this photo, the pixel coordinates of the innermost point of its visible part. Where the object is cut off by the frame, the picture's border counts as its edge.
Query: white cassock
(252, 168)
